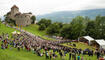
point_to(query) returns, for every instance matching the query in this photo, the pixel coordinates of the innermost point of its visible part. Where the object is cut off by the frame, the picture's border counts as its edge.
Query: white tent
(101, 42)
(88, 38)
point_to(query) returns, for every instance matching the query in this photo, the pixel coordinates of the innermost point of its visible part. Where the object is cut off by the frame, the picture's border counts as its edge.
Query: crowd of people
(50, 49)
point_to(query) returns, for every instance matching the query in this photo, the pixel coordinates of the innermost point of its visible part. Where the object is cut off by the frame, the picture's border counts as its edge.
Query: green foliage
(96, 27)
(91, 28)
(65, 32)
(33, 19)
(42, 27)
(59, 24)
(0, 20)
(10, 21)
(45, 23)
(100, 26)
(53, 29)
(75, 29)
(78, 27)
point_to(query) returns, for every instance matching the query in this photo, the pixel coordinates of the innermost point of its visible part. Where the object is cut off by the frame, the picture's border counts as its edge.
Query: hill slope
(66, 16)
(5, 29)
(13, 54)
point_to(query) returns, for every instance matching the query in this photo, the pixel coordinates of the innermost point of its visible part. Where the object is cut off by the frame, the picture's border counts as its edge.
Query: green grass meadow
(79, 45)
(5, 29)
(34, 29)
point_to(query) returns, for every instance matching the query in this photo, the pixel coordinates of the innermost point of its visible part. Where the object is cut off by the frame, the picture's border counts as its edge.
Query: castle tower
(14, 11)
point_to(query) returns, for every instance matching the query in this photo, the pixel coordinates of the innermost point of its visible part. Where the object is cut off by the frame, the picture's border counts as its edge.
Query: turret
(14, 11)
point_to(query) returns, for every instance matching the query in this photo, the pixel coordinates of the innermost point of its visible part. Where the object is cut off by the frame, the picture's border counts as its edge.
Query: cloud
(47, 6)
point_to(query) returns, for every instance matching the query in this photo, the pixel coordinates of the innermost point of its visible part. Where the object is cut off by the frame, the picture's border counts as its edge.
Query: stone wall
(23, 20)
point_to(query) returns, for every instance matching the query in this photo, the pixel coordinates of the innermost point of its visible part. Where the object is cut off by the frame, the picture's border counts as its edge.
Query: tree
(96, 28)
(42, 27)
(100, 26)
(91, 29)
(53, 29)
(10, 21)
(65, 32)
(78, 26)
(0, 20)
(33, 19)
(59, 23)
(45, 22)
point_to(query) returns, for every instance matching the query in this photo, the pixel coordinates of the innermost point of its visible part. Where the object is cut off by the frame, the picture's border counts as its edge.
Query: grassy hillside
(13, 54)
(79, 45)
(34, 29)
(31, 28)
(5, 29)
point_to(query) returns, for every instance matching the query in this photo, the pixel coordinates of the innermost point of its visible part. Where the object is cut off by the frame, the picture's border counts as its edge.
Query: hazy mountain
(67, 16)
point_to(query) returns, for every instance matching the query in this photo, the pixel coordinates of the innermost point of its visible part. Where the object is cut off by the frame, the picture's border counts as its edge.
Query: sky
(40, 7)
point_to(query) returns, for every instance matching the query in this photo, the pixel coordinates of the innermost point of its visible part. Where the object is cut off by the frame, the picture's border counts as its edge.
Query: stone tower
(14, 11)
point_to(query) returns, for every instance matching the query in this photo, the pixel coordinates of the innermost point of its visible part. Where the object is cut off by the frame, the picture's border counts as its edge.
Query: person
(38, 53)
(53, 55)
(70, 56)
(73, 56)
(82, 58)
(60, 53)
(50, 53)
(63, 57)
(78, 57)
(2, 46)
(98, 54)
(46, 54)
(18, 47)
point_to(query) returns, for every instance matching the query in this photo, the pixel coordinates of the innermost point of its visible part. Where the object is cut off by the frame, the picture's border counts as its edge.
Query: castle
(21, 19)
